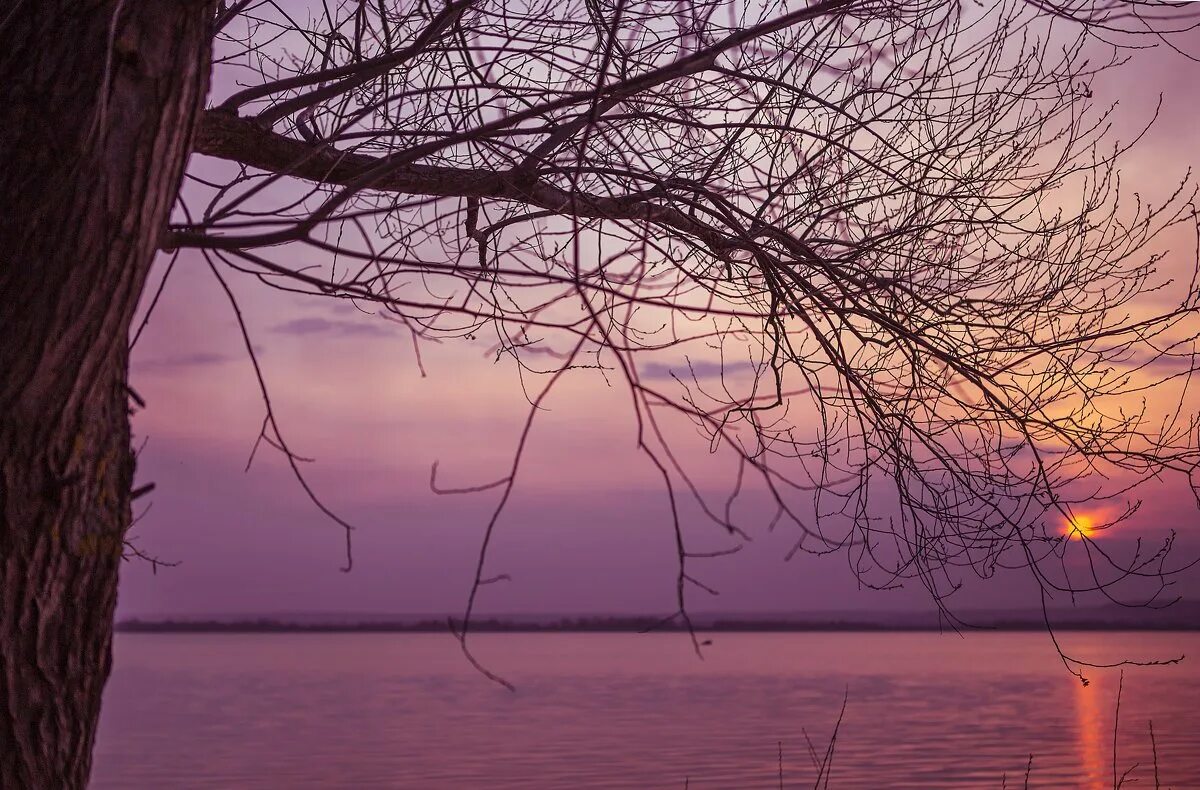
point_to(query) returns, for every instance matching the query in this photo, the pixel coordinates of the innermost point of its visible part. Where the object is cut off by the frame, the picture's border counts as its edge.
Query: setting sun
(1080, 526)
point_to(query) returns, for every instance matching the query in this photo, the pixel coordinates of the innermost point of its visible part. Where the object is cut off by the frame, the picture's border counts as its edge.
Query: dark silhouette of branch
(915, 309)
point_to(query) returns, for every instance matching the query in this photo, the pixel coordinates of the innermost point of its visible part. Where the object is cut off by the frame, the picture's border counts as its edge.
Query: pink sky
(588, 529)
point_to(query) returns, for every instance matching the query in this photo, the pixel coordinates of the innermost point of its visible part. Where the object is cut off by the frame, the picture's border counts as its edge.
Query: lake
(923, 710)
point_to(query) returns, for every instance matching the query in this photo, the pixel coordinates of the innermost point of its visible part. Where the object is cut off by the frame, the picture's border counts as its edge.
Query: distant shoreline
(614, 625)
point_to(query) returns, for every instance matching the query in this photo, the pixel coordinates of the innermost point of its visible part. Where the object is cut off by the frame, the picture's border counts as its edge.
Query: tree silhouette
(881, 246)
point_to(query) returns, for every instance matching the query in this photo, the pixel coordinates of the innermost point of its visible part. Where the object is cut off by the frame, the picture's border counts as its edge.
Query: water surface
(641, 711)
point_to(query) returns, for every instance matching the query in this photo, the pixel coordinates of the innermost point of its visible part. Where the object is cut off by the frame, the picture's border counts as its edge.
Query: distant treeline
(619, 624)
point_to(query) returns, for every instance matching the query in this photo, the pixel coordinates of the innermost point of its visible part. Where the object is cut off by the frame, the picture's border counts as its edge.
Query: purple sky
(588, 528)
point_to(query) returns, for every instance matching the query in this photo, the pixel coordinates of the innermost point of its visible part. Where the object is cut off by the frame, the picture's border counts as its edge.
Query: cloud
(194, 359)
(315, 326)
(700, 368)
(1161, 363)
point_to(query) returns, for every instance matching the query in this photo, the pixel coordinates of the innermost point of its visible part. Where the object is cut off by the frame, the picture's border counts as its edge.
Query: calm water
(640, 711)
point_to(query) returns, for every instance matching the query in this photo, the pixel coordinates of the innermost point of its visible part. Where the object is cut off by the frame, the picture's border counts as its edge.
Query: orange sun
(1080, 526)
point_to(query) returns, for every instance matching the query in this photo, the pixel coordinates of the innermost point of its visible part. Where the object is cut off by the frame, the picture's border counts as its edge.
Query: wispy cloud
(700, 368)
(1162, 363)
(175, 361)
(314, 325)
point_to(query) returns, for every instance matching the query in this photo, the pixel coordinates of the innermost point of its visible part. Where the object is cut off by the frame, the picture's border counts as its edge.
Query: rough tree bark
(98, 101)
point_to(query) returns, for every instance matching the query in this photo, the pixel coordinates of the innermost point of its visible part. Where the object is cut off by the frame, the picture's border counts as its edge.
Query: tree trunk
(98, 100)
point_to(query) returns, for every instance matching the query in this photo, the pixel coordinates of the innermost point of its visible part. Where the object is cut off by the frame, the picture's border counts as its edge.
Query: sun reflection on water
(1089, 725)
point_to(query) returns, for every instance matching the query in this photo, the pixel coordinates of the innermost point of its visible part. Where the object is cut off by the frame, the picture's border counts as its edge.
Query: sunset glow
(1079, 526)
(598, 394)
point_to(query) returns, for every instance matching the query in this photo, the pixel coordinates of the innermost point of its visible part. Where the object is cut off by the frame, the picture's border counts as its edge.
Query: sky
(588, 528)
